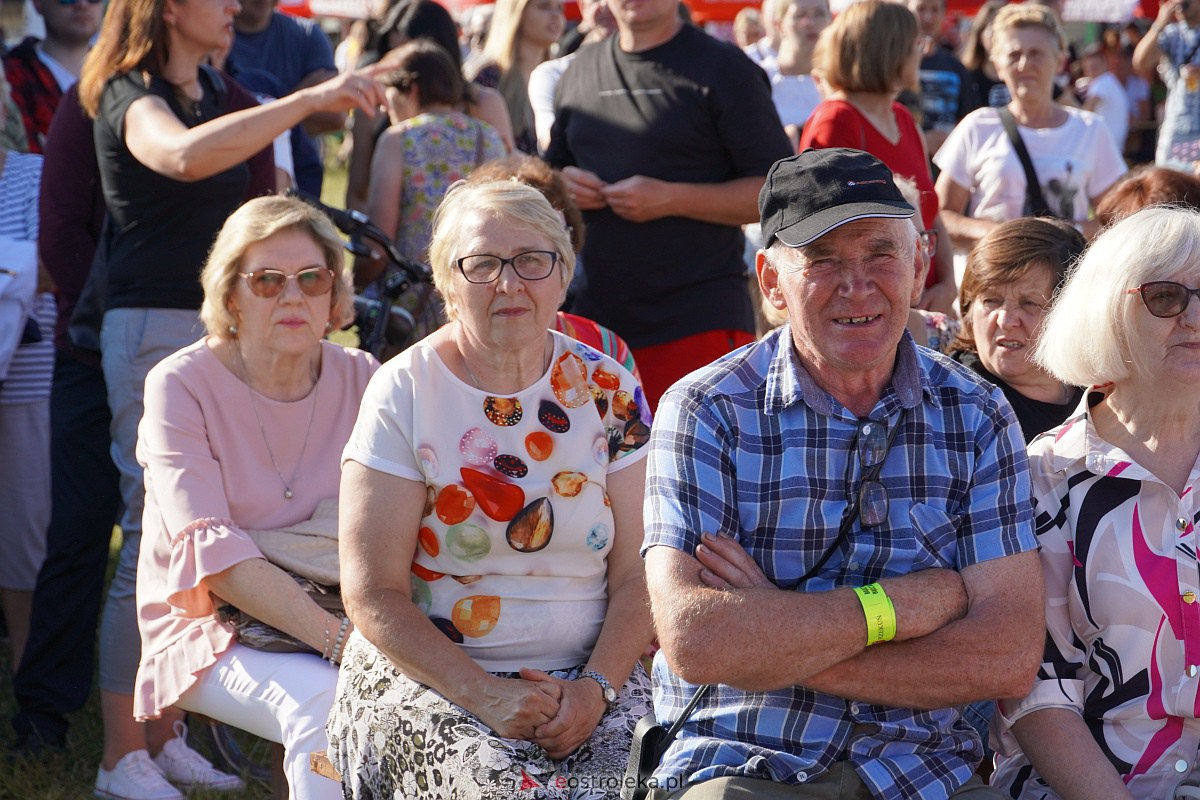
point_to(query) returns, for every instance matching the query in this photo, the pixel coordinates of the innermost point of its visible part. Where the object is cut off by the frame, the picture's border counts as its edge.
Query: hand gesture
(349, 91)
(516, 708)
(726, 565)
(585, 188)
(638, 198)
(579, 712)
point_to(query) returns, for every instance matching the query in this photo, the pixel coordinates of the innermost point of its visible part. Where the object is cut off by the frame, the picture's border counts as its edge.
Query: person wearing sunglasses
(838, 525)
(1113, 711)
(491, 515)
(243, 431)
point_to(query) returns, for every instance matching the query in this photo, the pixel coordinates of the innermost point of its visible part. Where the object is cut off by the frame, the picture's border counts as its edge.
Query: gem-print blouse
(511, 553)
(1118, 550)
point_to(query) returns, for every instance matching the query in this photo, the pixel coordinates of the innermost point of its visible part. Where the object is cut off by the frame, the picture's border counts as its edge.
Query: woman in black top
(1010, 278)
(177, 147)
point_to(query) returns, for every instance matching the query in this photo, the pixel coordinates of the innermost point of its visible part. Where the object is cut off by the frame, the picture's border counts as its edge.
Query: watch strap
(606, 689)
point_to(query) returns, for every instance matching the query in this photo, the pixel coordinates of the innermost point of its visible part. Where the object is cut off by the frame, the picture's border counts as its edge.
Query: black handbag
(650, 743)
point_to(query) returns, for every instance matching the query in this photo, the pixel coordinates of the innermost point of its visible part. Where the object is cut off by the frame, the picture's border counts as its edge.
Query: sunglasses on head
(313, 281)
(73, 2)
(1165, 298)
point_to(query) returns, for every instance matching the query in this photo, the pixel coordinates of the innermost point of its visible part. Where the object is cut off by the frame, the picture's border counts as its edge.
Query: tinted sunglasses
(1165, 298)
(872, 443)
(73, 2)
(313, 281)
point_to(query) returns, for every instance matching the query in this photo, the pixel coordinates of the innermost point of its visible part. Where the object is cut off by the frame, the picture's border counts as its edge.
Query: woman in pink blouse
(242, 431)
(1113, 711)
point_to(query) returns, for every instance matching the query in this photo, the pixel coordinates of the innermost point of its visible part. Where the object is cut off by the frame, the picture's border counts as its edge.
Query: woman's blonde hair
(132, 37)
(501, 45)
(517, 204)
(1028, 15)
(256, 221)
(1091, 335)
(866, 47)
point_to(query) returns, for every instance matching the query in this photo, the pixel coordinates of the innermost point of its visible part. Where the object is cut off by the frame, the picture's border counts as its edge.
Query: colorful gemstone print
(428, 541)
(597, 537)
(502, 411)
(539, 445)
(498, 499)
(568, 379)
(605, 379)
(624, 407)
(476, 615)
(569, 484)
(468, 542)
(532, 528)
(447, 627)
(477, 447)
(553, 418)
(512, 466)
(601, 399)
(454, 504)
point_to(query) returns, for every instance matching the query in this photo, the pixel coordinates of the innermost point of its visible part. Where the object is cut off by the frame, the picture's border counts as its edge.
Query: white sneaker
(135, 777)
(184, 767)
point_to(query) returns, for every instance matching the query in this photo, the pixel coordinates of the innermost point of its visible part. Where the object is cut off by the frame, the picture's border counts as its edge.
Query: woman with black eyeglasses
(1113, 711)
(242, 432)
(491, 519)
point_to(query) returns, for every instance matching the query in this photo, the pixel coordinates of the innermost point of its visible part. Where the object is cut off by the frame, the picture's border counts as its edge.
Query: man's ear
(919, 271)
(768, 280)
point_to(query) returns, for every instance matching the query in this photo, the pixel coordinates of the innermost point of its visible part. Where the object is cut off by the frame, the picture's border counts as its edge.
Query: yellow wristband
(879, 612)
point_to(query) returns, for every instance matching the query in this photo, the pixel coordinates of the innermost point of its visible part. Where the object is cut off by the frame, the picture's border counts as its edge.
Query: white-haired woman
(1113, 711)
(491, 520)
(243, 430)
(520, 38)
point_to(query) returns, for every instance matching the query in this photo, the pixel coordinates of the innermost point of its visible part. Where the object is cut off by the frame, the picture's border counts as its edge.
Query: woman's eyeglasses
(1165, 298)
(532, 265)
(313, 281)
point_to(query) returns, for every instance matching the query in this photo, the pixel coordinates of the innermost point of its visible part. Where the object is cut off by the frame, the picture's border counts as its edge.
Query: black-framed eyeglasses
(1165, 299)
(532, 265)
(872, 441)
(312, 281)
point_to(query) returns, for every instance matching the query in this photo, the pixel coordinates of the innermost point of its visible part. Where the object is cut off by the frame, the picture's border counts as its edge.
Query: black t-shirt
(947, 91)
(162, 228)
(1035, 416)
(691, 110)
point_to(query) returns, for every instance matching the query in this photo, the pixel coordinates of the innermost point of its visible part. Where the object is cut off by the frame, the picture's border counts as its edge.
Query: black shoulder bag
(1033, 190)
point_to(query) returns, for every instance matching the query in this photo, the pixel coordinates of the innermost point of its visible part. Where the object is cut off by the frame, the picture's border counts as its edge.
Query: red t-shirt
(837, 123)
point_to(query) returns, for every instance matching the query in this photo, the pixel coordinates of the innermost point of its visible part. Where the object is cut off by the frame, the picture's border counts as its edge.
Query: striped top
(32, 365)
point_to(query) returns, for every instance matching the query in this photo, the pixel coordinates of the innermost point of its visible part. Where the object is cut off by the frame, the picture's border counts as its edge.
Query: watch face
(610, 695)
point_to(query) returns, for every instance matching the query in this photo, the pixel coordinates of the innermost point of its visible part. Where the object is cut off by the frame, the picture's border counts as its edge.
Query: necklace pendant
(288, 494)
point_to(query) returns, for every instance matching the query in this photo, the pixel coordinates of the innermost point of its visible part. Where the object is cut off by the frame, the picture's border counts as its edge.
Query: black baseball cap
(808, 195)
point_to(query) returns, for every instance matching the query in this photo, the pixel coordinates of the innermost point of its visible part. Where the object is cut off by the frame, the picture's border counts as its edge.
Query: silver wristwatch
(606, 688)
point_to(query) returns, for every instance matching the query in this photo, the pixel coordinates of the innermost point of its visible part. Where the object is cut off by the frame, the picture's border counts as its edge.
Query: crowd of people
(827, 393)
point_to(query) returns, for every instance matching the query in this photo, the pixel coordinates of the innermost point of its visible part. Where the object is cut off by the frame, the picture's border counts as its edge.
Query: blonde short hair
(1090, 335)
(1028, 15)
(516, 203)
(257, 221)
(866, 46)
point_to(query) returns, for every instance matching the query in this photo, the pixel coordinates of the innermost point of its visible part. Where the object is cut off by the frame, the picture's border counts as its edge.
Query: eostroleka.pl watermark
(607, 783)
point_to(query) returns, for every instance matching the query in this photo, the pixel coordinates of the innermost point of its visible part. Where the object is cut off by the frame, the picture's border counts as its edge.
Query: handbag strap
(1033, 190)
(677, 725)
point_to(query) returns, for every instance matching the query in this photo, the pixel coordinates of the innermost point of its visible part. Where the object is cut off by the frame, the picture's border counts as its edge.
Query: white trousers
(281, 697)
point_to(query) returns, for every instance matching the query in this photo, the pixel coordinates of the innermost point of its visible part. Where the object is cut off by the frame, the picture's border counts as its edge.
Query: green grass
(71, 775)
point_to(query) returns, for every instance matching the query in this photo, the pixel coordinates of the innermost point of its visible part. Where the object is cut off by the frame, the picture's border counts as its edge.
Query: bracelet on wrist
(879, 612)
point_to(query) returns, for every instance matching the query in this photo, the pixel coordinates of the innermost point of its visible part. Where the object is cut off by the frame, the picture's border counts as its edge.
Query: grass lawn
(71, 775)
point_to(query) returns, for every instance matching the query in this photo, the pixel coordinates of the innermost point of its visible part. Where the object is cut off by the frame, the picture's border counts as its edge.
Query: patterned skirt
(391, 737)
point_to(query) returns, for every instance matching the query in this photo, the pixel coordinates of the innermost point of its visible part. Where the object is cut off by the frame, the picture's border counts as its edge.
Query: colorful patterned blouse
(512, 549)
(439, 149)
(1118, 549)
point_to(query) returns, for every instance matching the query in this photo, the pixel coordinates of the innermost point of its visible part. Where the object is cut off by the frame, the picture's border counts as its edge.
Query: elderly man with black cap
(839, 534)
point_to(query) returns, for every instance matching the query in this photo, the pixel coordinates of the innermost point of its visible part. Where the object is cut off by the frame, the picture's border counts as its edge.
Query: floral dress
(511, 565)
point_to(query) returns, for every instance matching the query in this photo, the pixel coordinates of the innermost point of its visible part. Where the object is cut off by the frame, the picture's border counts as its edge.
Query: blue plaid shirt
(752, 446)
